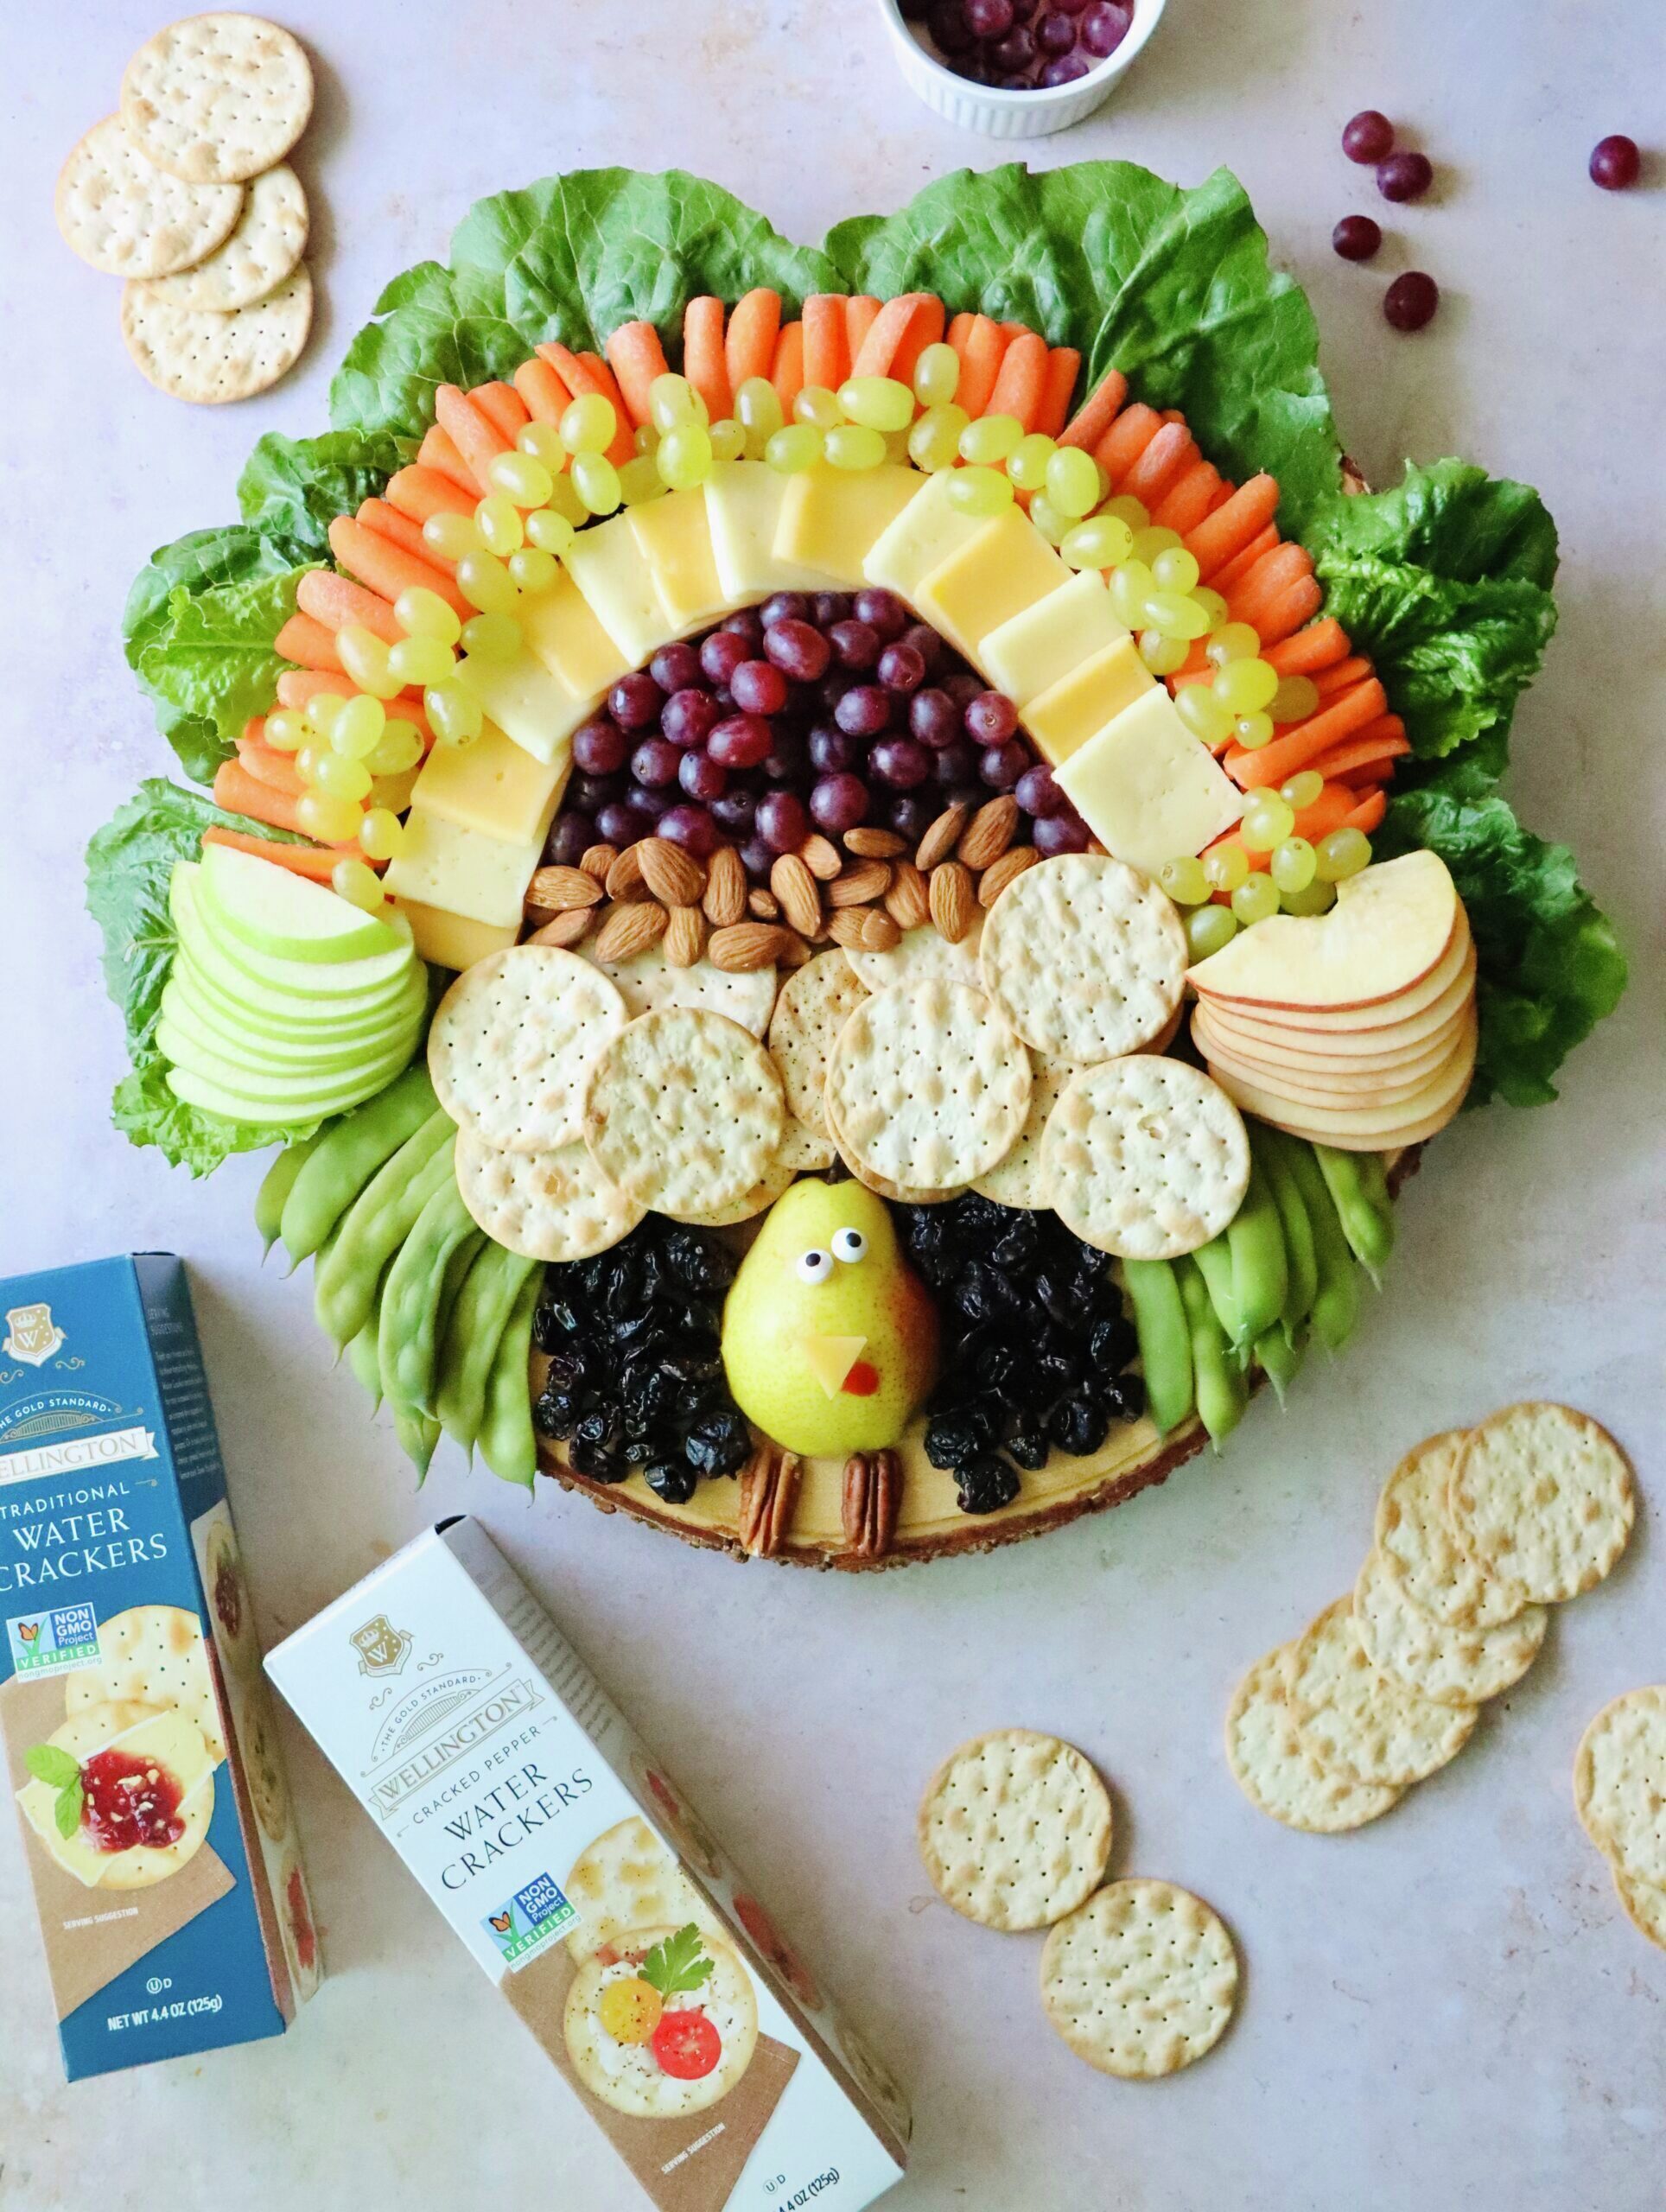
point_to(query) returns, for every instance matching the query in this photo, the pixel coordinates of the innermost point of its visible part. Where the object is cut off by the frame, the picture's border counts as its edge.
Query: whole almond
(675, 877)
(990, 832)
(941, 838)
(794, 951)
(846, 926)
(862, 882)
(597, 860)
(870, 844)
(907, 901)
(794, 886)
(999, 873)
(763, 905)
(952, 903)
(725, 902)
(879, 933)
(685, 935)
(568, 929)
(625, 877)
(631, 929)
(746, 946)
(555, 889)
(821, 856)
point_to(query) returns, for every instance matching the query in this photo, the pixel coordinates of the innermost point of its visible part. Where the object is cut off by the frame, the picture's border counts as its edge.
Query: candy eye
(848, 1244)
(815, 1265)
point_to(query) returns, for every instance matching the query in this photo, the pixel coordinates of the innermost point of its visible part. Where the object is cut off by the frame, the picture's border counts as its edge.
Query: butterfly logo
(27, 1631)
(503, 1921)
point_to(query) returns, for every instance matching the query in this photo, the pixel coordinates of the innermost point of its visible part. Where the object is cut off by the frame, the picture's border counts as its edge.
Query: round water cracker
(217, 99)
(650, 981)
(153, 1655)
(900, 1194)
(1144, 1157)
(1359, 1722)
(928, 1085)
(512, 1044)
(1543, 1495)
(1419, 1548)
(1619, 1783)
(921, 954)
(265, 248)
(544, 1205)
(213, 360)
(128, 218)
(1087, 955)
(1014, 1829)
(1017, 1179)
(625, 1878)
(627, 2076)
(1645, 1903)
(1277, 1772)
(684, 1110)
(813, 1007)
(801, 1151)
(1450, 1666)
(1142, 1981)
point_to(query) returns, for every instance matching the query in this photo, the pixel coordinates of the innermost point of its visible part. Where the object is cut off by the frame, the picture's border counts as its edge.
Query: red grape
(838, 804)
(635, 701)
(1405, 176)
(1055, 33)
(1000, 765)
(783, 606)
(827, 607)
(588, 793)
(1065, 70)
(1015, 53)
(619, 824)
(647, 806)
(991, 718)
(1060, 833)
(783, 824)
(741, 741)
(1615, 162)
(1368, 136)
(902, 668)
(1357, 238)
(797, 650)
(1104, 26)
(855, 644)
(692, 827)
(758, 688)
(1037, 793)
(702, 778)
(674, 668)
(927, 644)
(688, 717)
(882, 611)
(830, 750)
(864, 710)
(899, 763)
(963, 686)
(570, 839)
(722, 654)
(748, 624)
(1411, 299)
(733, 813)
(789, 757)
(957, 763)
(757, 858)
(655, 762)
(910, 815)
(988, 19)
(949, 28)
(599, 746)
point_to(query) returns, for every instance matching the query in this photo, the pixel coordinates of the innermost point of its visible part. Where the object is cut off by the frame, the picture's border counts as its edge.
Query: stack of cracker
(184, 192)
(1478, 1531)
(1619, 1787)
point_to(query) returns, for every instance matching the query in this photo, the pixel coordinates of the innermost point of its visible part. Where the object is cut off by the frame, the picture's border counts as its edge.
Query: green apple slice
(303, 1022)
(219, 1087)
(199, 928)
(322, 1053)
(279, 913)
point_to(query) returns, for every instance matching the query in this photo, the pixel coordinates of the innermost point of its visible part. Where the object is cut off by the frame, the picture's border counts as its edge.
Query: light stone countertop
(1448, 2008)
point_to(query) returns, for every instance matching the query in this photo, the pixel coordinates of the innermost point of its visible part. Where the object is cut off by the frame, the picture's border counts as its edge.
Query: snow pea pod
(361, 1357)
(276, 1184)
(1165, 1339)
(1359, 1189)
(1279, 1356)
(507, 1445)
(1222, 1391)
(474, 1330)
(418, 1437)
(1336, 1302)
(1215, 1264)
(377, 1224)
(348, 1155)
(1270, 1147)
(1261, 1274)
(416, 1283)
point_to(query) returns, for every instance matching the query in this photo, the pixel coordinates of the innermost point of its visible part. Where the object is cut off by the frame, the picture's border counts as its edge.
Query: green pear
(829, 1337)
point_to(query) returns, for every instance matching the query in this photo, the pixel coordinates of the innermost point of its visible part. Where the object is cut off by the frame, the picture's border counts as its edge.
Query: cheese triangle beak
(831, 1359)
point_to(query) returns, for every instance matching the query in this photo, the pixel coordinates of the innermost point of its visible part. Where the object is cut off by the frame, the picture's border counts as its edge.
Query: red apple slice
(1413, 1033)
(1401, 1021)
(1273, 1065)
(1389, 926)
(1366, 1129)
(1357, 1088)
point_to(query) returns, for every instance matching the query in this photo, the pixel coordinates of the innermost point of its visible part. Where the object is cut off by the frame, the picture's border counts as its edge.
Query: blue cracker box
(137, 1726)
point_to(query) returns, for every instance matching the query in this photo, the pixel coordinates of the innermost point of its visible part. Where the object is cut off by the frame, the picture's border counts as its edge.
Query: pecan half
(873, 1492)
(769, 1490)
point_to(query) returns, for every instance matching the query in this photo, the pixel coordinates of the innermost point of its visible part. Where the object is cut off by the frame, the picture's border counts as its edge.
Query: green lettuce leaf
(292, 489)
(1171, 286)
(129, 863)
(199, 630)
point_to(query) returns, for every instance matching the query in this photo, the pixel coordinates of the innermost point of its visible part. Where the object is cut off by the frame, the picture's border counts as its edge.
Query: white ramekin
(1013, 114)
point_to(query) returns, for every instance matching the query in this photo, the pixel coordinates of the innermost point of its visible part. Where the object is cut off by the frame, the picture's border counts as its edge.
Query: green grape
(758, 409)
(1253, 731)
(486, 583)
(454, 713)
(357, 730)
(1126, 508)
(1303, 788)
(1256, 898)
(1208, 928)
(644, 439)
(981, 491)
(1047, 519)
(1293, 864)
(1226, 867)
(359, 885)
(1213, 605)
(878, 402)
(332, 821)
(934, 442)
(497, 519)
(672, 401)
(340, 777)
(422, 614)
(1101, 543)
(545, 443)
(286, 731)
(365, 658)
(596, 480)
(588, 424)
(399, 748)
(1318, 898)
(1073, 482)
(1247, 685)
(1296, 698)
(306, 763)
(1130, 587)
(1173, 611)
(495, 635)
(1184, 880)
(1026, 464)
(1267, 821)
(817, 405)
(520, 477)
(420, 660)
(321, 712)
(1203, 713)
(795, 449)
(728, 440)
(1343, 854)
(565, 502)
(639, 480)
(988, 441)
(532, 569)
(381, 834)
(684, 458)
(937, 375)
(452, 536)
(1152, 540)
(1175, 569)
(549, 531)
(1233, 641)
(1163, 655)
(854, 446)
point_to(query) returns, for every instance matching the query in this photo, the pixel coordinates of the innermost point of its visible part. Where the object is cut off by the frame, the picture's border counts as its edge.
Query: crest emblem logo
(31, 1335)
(381, 1649)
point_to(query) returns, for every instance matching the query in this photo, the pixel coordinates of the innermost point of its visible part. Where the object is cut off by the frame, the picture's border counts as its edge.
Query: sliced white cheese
(929, 529)
(1148, 789)
(1050, 640)
(1006, 568)
(605, 563)
(560, 627)
(743, 507)
(831, 517)
(443, 864)
(493, 786)
(674, 537)
(527, 703)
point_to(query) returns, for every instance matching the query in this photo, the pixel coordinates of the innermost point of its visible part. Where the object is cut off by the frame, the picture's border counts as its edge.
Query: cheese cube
(527, 704)
(451, 940)
(1050, 639)
(831, 516)
(674, 539)
(743, 507)
(929, 529)
(560, 627)
(1078, 705)
(1148, 789)
(493, 786)
(443, 864)
(1005, 568)
(605, 563)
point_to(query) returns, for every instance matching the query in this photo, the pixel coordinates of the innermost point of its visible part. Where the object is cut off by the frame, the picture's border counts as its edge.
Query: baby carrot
(476, 439)
(388, 568)
(980, 354)
(636, 357)
(827, 360)
(545, 398)
(1273, 574)
(239, 792)
(316, 862)
(898, 335)
(754, 323)
(925, 328)
(703, 361)
(1126, 440)
(1064, 365)
(308, 644)
(267, 767)
(335, 602)
(1276, 762)
(1188, 499)
(1367, 815)
(1097, 413)
(1310, 649)
(787, 369)
(296, 686)
(1290, 610)
(583, 372)
(419, 493)
(1240, 519)
(438, 453)
(1171, 451)
(1340, 674)
(502, 407)
(385, 519)
(861, 314)
(1022, 381)
(1234, 570)
(1383, 739)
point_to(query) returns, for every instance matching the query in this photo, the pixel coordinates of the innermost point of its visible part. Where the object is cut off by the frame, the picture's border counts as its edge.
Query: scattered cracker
(217, 99)
(684, 1110)
(128, 218)
(1544, 1496)
(1014, 1829)
(1018, 1180)
(801, 1151)
(212, 359)
(922, 955)
(1142, 1981)
(1277, 1772)
(1087, 955)
(650, 981)
(1420, 1545)
(1619, 1783)
(265, 247)
(929, 1085)
(1645, 1903)
(814, 1006)
(1144, 1157)
(1358, 1721)
(900, 1194)
(545, 1205)
(1452, 1666)
(512, 1044)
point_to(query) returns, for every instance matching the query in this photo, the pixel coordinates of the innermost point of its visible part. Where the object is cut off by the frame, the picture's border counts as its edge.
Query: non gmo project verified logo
(532, 1917)
(51, 1643)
